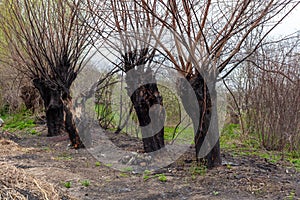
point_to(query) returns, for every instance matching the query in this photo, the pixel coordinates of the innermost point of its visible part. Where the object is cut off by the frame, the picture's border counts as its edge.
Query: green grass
(197, 169)
(162, 178)
(147, 175)
(127, 169)
(215, 193)
(23, 121)
(229, 136)
(234, 141)
(46, 148)
(67, 184)
(85, 183)
(294, 158)
(122, 174)
(184, 135)
(291, 196)
(104, 112)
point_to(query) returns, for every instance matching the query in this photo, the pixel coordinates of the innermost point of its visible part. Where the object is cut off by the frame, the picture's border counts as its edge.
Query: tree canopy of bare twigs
(203, 40)
(49, 42)
(210, 37)
(45, 39)
(130, 47)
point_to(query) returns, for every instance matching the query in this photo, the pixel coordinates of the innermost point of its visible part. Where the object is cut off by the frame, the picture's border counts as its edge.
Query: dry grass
(18, 185)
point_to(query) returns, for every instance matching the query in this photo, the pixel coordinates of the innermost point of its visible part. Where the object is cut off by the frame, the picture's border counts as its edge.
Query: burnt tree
(144, 94)
(130, 41)
(211, 37)
(49, 42)
(201, 117)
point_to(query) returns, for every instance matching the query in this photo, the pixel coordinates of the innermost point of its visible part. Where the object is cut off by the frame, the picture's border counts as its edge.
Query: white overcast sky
(290, 25)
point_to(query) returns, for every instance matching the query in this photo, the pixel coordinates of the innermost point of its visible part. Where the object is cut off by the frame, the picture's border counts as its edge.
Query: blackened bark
(214, 156)
(145, 97)
(53, 106)
(59, 111)
(148, 104)
(201, 118)
(70, 122)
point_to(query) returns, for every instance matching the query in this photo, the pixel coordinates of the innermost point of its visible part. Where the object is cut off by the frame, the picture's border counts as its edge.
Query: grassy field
(240, 144)
(22, 121)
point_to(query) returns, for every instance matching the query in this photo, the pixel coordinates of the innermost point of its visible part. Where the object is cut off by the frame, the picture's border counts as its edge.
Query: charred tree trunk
(145, 97)
(201, 121)
(148, 104)
(59, 111)
(70, 122)
(53, 107)
(214, 156)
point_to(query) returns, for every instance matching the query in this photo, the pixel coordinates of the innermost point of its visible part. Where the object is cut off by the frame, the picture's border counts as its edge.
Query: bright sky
(290, 25)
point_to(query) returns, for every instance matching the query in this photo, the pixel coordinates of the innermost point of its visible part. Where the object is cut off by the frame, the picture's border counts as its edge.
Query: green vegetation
(64, 156)
(240, 144)
(46, 149)
(108, 165)
(20, 121)
(104, 115)
(169, 131)
(97, 164)
(148, 174)
(85, 183)
(162, 177)
(291, 196)
(67, 184)
(230, 136)
(146, 177)
(127, 169)
(197, 169)
(294, 158)
(185, 135)
(122, 174)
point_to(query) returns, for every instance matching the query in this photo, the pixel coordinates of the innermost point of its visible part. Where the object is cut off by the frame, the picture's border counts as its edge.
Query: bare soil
(50, 160)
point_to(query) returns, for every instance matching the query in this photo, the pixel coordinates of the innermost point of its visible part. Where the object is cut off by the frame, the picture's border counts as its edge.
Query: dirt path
(239, 178)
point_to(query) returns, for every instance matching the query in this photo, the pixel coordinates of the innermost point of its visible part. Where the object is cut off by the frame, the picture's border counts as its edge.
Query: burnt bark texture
(59, 111)
(53, 105)
(150, 120)
(146, 99)
(70, 125)
(50, 43)
(201, 117)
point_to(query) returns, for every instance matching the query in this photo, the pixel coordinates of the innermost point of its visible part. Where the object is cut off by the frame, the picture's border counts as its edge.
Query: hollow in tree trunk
(201, 117)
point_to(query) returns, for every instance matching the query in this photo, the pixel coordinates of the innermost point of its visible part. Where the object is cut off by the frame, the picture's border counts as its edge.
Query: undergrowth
(233, 140)
(21, 121)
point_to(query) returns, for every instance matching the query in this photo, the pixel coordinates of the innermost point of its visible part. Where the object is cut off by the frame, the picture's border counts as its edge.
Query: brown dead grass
(18, 185)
